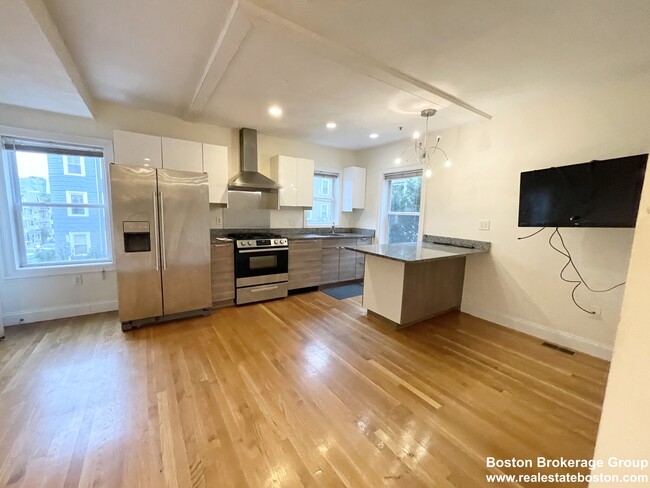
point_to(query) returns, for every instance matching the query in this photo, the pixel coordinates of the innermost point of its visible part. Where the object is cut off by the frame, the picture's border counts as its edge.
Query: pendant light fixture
(423, 152)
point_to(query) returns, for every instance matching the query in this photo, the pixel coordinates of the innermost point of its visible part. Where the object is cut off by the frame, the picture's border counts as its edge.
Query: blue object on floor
(344, 291)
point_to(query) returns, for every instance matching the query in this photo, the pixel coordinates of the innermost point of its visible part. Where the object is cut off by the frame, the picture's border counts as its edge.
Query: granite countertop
(350, 235)
(220, 240)
(416, 252)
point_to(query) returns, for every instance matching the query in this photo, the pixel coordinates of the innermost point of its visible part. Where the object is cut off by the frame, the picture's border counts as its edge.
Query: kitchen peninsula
(406, 283)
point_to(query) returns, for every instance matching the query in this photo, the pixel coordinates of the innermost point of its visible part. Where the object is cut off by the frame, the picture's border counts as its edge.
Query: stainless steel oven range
(261, 267)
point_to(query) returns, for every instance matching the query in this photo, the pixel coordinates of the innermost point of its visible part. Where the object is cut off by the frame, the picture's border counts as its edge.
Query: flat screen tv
(596, 194)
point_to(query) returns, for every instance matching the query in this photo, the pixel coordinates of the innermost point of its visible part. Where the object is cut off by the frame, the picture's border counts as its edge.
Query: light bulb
(428, 173)
(448, 163)
(398, 160)
(275, 111)
(416, 135)
(331, 125)
(374, 135)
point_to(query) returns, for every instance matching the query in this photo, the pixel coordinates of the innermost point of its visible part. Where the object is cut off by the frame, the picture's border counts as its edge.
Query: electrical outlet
(483, 225)
(78, 280)
(219, 220)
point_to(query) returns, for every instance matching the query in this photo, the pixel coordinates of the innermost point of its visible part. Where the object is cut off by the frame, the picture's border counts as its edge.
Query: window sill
(21, 273)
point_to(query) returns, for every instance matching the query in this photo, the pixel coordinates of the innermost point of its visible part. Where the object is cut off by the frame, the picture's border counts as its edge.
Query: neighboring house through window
(57, 195)
(74, 166)
(79, 243)
(324, 209)
(77, 198)
(401, 199)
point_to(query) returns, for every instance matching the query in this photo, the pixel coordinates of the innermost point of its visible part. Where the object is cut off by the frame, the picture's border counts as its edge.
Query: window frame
(71, 236)
(384, 208)
(11, 224)
(335, 196)
(82, 166)
(73, 206)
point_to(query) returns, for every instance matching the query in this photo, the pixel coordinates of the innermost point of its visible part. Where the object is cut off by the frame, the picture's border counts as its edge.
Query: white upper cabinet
(296, 175)
(354, 188)
(137, 149)
(182, 155)
(215, 164)
(163, 152)
(304, 182)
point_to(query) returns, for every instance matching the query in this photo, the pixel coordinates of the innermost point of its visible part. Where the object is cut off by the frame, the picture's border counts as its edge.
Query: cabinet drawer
(305, 244)
(330, 243)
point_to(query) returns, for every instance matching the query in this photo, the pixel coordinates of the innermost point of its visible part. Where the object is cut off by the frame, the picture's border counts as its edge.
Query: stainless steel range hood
(249, 179)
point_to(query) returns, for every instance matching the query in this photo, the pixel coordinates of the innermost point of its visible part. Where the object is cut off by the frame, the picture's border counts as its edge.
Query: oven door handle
(246, 251)
(265, 288)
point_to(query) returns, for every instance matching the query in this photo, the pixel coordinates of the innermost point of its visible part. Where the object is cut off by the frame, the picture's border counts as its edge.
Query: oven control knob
(250, 243)
(243, 243)
(276, 241)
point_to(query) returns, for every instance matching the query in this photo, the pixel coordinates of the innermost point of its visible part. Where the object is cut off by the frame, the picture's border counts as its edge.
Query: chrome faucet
(333, 228)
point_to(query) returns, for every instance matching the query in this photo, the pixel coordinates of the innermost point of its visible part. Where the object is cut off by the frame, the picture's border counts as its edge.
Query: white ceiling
(368, 65)
(31, 73)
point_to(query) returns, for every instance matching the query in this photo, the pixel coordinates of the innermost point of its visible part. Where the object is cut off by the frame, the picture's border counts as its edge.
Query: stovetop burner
(253, 235)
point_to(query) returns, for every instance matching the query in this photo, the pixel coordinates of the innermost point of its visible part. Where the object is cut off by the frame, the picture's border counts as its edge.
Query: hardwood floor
(302, 391)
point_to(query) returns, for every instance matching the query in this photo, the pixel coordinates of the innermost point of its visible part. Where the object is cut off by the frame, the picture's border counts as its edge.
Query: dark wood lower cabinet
(347, 265)
(223, 272)
(330, 270)
(305, 263)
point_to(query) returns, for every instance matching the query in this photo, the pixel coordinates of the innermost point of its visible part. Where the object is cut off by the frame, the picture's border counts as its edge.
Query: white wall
(624, 430)
(34, 299)
(517, 284)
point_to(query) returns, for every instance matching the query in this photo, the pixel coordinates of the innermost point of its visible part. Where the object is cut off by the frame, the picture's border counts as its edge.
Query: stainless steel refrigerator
(162, 243)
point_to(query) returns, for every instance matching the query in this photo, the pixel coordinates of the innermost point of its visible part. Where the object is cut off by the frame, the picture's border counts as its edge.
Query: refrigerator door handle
(162, 231)
(155, 231)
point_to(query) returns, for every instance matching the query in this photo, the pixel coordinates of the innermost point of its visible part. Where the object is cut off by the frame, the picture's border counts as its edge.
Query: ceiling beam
(361, 63)
(43, 18)
(230, 40)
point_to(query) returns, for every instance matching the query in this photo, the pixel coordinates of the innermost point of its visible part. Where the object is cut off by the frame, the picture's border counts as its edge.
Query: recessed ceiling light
(398, 160)
(448, 163)
(275, 111)
(416, 135)
(331, 125)
(374, 135)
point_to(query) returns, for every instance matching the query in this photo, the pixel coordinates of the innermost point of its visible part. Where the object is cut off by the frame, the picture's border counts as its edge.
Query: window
(323, 212)
(79, 243)
(74, 166)
(401, 207)
(58, 196)
(77, 198)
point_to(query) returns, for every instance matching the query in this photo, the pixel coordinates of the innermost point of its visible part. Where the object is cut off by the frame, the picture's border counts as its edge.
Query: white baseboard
(555, 336)
(51, 313)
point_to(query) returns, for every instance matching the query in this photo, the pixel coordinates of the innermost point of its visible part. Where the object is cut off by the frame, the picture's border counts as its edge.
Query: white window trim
(337, 195)
(68, 199)
(71, 237)
(8, 240)
(382, 215)
(82, 162)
